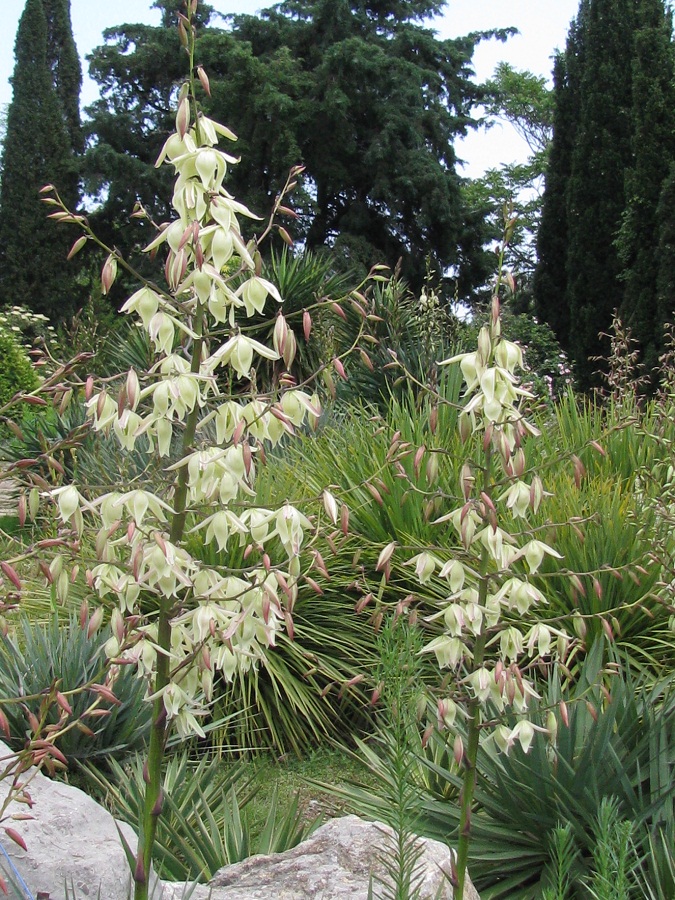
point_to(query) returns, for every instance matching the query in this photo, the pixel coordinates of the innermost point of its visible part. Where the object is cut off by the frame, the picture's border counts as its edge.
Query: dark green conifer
(64, 62)
(359, 91)
(595, 195)
(653, 149)
(605, 215)
(665, 255)
(38, 150)
(550, 277)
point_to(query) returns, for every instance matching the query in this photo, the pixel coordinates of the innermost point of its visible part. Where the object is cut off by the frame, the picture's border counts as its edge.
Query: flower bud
(484, 344)
(204, 80)
(183, 117)
(290, 348)
(108, 274)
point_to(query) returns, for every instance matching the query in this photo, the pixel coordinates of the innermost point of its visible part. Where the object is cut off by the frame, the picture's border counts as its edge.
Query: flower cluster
(221, 620)
(490, 592)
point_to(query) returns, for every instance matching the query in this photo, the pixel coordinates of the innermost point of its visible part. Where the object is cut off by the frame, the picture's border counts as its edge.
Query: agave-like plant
(615, 738)
(37, 658)
(207, 822)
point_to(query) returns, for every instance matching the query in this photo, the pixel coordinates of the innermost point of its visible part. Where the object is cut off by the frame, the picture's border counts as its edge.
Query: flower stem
(474, 714)
(152, 805)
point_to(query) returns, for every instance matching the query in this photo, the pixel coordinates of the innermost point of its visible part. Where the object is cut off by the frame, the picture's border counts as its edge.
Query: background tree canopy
(361, 93)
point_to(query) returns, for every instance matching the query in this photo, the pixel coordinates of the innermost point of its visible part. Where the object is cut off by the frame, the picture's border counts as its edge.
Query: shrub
(17, 373)
(206, 823)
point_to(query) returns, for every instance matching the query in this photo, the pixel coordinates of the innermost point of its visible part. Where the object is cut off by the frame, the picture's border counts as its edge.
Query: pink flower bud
(204, 80)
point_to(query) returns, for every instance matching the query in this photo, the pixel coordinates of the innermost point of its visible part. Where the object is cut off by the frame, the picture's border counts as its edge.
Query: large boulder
(70, 840)
(335, 863)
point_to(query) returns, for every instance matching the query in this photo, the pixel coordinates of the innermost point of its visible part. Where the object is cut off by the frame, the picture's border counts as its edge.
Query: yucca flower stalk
(485, 640)
(178, 620)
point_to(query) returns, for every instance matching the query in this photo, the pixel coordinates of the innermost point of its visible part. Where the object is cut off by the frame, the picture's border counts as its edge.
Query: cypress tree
(653, 149)
(595, 191)
(37, 150)
(550, 277)
(606, 236)
(665, 276)
(64, 63)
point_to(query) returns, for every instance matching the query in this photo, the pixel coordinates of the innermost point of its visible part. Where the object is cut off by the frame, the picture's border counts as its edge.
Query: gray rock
(70, 840)
(335, 863)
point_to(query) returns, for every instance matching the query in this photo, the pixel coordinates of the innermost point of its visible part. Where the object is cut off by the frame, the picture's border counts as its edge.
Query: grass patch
(289, 777)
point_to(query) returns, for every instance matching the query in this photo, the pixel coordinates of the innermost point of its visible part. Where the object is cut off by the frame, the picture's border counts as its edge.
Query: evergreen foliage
(550, 277)
(653, 149)
(595, 191)
(362, 94)
(64, 63)
(665, 276)
(610, 157)
(42, 136)
(17, 373)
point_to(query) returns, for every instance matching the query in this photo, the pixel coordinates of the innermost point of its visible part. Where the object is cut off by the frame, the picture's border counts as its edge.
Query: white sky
(542, 25)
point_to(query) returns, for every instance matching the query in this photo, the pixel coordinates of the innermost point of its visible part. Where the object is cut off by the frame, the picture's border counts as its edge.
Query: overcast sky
(542, 25)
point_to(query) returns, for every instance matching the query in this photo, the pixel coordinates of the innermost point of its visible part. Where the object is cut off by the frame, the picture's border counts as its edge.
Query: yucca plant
(309, 281)
(355, 448)
(409, 335)
(609, 544)
(36, 658)
(206, 822)
(619, 742)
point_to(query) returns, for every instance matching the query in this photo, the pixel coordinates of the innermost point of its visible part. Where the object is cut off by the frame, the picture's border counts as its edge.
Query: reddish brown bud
(306, 324)
(183, 116)
(564, 715)
(108, 274)
(63, 703)
(607, 628)
(339, 368)
(362, 603)
(95, 622)
(458, 749)
(159, 804)
(344, 519)
(14, 835)
(314, 586)
(104, 691)
(10, 573)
